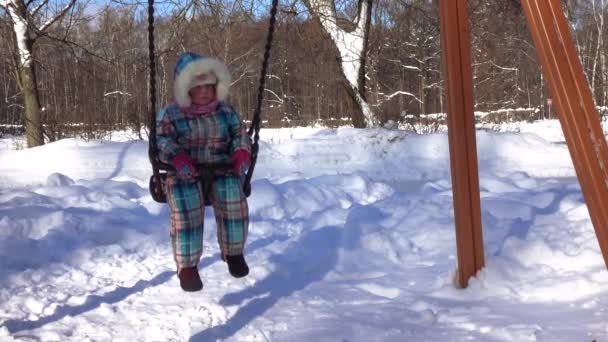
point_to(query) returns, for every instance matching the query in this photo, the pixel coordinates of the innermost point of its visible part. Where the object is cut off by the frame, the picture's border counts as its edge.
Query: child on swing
(200, 127)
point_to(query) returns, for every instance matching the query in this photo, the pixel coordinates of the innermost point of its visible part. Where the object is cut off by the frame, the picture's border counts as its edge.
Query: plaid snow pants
(186, 203)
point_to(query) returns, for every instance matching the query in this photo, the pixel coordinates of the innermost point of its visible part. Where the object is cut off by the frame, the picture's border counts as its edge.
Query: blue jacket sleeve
(166, 136)
(238, 131)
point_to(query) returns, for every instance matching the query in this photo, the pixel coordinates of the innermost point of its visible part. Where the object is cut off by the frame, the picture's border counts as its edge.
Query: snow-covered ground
(351, 239)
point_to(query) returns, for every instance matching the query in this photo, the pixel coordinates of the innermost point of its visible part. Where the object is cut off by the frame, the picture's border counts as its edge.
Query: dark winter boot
(189, 279)
(237, 266)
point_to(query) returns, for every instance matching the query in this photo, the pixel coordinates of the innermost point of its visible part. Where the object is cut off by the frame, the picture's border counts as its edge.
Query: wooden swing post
(578, 115)
(456, 46)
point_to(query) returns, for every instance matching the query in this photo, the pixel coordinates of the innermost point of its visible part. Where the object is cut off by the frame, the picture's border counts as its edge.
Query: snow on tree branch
(36, 9)
(404, 66)
(397, 93)
(117, 92)
(59, 15)
(278, 98)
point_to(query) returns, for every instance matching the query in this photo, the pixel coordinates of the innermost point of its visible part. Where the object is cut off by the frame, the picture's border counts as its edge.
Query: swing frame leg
(456, 47)
(578, 115)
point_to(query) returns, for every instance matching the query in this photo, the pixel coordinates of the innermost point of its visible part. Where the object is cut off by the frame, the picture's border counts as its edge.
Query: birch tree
(351, 45)
(29, 21)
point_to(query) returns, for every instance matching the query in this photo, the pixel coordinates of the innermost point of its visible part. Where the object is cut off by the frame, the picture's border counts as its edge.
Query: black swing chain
(255, 123)
(152, 150)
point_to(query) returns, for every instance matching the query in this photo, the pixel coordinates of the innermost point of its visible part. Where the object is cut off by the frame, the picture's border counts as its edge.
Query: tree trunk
(24, 26)
(33, 117)
(352, 50)
(27, 75)
(358, 117)
(368, 115)
(29, 89)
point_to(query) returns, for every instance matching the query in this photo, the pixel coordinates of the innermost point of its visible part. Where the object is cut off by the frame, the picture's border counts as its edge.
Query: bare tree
(351, 44)
(26, 30)
(405, 59)
(599, 60)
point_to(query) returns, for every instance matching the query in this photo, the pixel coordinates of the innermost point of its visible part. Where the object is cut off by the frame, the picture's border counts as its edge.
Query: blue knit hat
(192, 69)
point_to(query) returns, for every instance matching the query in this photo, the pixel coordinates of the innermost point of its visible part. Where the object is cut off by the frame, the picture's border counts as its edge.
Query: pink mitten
(184, 166)
(240, 161)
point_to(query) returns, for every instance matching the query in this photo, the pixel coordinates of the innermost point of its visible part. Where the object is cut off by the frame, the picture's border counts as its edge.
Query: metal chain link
(255, 123)
(152, 148)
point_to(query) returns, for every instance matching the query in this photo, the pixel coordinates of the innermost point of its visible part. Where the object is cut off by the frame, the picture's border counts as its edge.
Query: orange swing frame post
(456, 46)
(578, 116)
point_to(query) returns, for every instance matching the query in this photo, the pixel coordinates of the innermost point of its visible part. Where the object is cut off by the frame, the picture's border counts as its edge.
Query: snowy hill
(351, 239)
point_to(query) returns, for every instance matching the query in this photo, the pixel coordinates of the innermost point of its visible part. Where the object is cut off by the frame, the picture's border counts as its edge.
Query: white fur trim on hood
(185, 80)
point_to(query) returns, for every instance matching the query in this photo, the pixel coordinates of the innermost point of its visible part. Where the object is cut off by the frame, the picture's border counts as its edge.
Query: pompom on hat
(192, 70)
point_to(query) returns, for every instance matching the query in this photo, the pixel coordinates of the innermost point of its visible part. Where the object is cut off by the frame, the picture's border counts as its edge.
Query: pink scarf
(196, 110)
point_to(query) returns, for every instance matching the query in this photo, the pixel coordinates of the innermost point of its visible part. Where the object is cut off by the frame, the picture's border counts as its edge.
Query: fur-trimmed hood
(189, 67)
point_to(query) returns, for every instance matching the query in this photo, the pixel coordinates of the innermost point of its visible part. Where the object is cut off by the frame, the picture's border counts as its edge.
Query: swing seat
(207, 175)
(159, 193)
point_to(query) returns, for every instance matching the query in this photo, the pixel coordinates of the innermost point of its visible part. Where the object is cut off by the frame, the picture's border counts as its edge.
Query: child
(200, 127)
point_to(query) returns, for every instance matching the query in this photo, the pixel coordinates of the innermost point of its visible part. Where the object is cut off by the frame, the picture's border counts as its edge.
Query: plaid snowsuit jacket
(209, 138)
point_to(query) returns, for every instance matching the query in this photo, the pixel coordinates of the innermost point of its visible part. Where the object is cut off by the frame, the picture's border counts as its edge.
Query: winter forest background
(352, 230)
(90, 61)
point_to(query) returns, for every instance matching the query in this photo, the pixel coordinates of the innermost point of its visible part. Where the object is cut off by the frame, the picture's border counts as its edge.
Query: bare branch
(405, 93)
(36, 9)
(59, 15)
(117, 92)
(278, 100)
